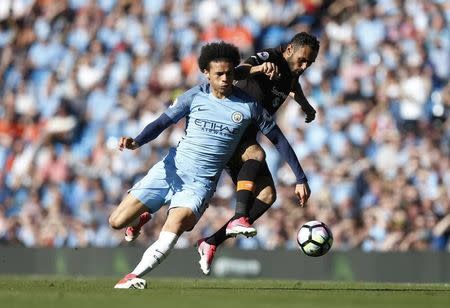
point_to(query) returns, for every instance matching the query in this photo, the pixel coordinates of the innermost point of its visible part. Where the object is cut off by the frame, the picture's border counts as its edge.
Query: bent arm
(243, 71)
(152, 130)
(280, 142)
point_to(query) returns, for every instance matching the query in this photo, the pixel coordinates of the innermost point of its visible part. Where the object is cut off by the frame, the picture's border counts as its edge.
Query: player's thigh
(236, 161)
(154, 190)
(265, 186)
(128, 210)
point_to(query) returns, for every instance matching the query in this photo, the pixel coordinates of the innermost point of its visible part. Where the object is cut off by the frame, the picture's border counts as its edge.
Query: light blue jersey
(187, 176)
(214, 128)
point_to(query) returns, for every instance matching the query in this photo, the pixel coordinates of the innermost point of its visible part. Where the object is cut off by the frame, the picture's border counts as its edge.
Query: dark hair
(303, 38)
(218, 51)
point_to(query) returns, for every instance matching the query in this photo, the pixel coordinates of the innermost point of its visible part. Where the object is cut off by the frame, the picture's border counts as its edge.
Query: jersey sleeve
(181, 105)
(152, 130)
(263, 120)
(260, 57)
(284, 148)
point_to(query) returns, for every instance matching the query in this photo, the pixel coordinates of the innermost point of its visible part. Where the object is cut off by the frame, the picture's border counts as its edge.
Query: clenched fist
(309, 111)
(127, 143)
(269, 69)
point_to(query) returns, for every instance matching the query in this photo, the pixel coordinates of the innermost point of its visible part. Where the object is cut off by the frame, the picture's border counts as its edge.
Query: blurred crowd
(77, 74)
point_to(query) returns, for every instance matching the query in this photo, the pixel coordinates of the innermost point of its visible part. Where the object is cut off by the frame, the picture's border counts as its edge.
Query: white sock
(156, 253)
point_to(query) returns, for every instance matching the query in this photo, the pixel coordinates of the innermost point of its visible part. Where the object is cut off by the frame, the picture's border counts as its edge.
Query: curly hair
(303, 38)
(218, 51)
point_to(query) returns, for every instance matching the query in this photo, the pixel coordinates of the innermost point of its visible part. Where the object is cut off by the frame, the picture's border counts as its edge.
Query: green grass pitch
(36, 292)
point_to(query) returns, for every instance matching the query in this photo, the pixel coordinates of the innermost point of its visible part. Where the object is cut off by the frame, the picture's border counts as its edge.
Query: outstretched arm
(180, 108)
(150, 132)
(279, 140)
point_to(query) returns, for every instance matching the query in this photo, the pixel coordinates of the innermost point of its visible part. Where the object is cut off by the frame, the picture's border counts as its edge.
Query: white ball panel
(320, 235)
(303, 235)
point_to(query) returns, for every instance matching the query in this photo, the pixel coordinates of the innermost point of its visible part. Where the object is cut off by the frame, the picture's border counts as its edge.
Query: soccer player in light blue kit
(217, 114)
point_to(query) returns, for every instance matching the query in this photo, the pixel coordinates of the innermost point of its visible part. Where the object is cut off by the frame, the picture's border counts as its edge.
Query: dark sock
(245, 186)
(219, 237)
(258, 208)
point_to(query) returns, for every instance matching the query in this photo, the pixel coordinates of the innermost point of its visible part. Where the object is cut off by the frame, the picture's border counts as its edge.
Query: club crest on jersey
(237, 117)
(263, 55)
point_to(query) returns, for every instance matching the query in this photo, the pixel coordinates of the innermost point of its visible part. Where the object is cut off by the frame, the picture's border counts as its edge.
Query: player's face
(300, 58)
(220, 76)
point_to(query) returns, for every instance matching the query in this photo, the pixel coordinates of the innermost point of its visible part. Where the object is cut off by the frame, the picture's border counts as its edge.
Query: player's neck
(220, 94)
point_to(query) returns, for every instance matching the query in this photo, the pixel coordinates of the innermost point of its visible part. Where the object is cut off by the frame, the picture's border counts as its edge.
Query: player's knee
(179, 227)
(114, 222)
(180, 220)
(255, 152)
(259, 154)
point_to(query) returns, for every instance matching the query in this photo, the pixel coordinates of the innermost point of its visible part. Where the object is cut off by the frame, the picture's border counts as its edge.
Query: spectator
(77, 74)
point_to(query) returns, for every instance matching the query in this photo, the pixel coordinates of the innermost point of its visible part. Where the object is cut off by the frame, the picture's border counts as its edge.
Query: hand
(127, 143)
(309, 111)
(303, 192)
(270, 70)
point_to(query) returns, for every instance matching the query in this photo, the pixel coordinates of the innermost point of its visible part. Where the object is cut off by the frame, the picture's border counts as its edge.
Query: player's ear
(206, 72)
(289, 50)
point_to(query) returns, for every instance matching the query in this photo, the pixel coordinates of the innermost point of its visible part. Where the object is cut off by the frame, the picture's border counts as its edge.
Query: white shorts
(164, 184)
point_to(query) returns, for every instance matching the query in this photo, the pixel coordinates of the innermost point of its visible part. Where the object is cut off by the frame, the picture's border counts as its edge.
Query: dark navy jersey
(270, 93)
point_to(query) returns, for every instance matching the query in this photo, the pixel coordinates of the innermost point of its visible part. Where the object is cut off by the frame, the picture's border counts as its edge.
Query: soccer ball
(315, 238)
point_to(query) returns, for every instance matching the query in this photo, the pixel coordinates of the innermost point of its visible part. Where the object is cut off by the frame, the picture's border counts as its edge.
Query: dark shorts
(235, 163)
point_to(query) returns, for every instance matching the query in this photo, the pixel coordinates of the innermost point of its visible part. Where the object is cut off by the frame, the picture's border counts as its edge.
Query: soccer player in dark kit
(270, 76)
